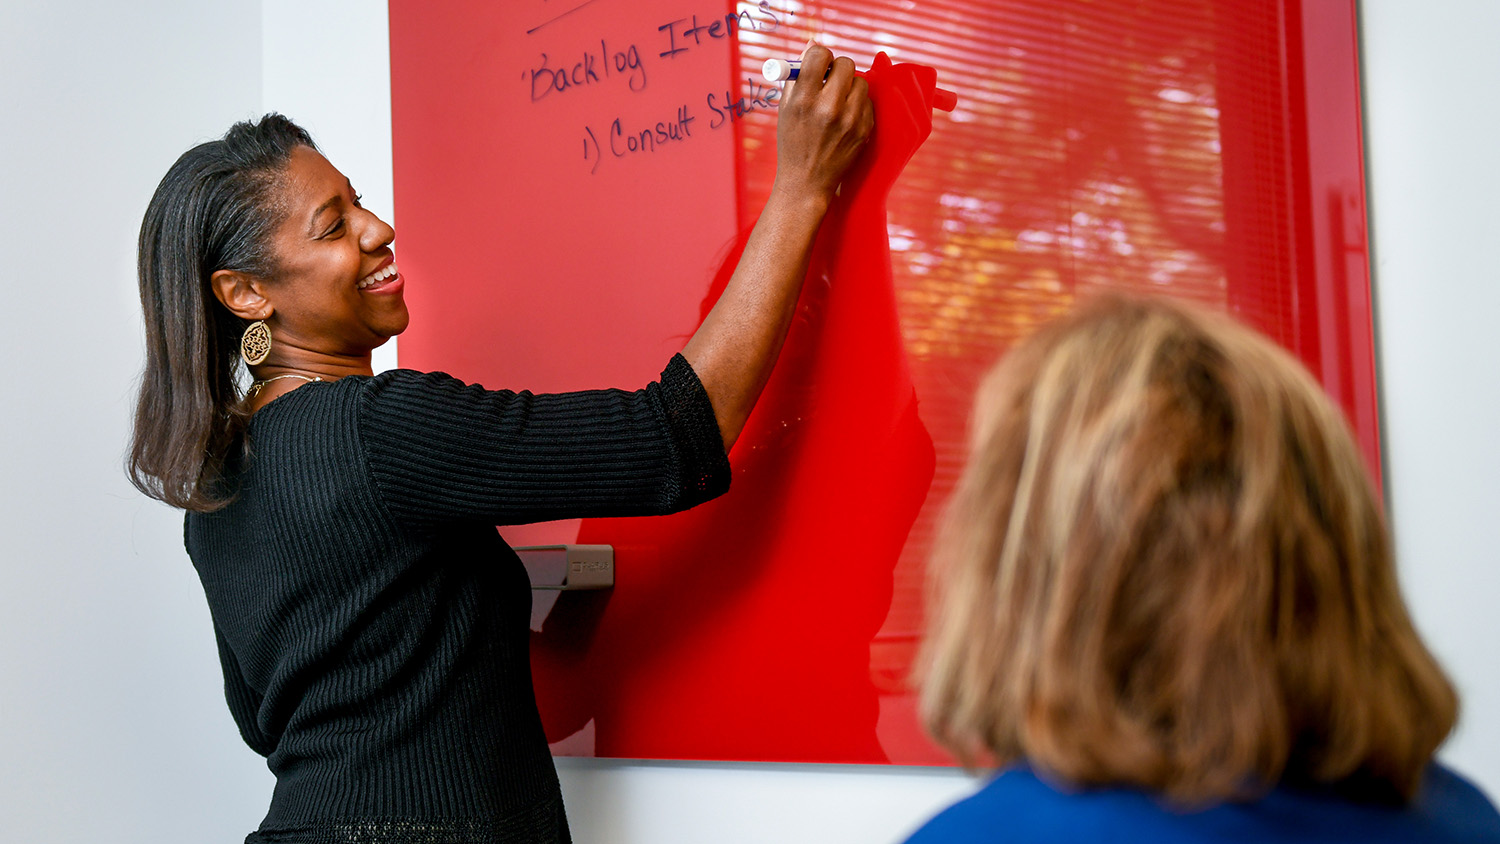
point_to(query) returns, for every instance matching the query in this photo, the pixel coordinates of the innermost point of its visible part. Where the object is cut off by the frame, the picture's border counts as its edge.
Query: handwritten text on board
(625, 66)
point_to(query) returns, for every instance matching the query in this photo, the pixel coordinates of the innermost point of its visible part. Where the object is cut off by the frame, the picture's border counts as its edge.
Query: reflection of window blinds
(1097, 143)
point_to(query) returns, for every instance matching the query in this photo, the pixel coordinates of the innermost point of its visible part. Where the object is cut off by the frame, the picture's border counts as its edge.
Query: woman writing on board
(371, 624)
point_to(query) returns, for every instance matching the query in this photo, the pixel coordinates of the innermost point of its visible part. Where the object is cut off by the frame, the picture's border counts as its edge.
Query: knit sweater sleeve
(442, 450)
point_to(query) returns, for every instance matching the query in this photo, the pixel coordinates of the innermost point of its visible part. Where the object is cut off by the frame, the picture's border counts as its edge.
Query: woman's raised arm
(824, 124)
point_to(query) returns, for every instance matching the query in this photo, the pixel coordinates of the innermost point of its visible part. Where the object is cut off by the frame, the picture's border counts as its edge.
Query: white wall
(327, 65)
(109, 683)
(1431, 126)
(114, 718)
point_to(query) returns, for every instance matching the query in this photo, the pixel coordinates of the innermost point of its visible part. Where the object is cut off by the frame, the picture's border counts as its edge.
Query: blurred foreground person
(1165, 607)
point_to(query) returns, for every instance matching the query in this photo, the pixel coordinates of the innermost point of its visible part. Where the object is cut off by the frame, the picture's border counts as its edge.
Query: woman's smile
(382, 280)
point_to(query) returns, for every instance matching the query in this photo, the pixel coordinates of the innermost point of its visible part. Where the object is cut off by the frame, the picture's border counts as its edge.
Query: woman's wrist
(797, 204)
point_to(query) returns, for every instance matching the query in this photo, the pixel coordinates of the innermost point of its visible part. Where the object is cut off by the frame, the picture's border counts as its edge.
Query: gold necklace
(255, 387)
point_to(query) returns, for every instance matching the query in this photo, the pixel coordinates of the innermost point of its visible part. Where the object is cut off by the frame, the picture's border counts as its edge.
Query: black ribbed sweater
(373, 626)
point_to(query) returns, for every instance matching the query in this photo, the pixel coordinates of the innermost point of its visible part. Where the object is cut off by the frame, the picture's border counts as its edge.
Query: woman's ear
(242, 294)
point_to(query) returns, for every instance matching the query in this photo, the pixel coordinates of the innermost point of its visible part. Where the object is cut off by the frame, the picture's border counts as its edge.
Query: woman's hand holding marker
(825, 120)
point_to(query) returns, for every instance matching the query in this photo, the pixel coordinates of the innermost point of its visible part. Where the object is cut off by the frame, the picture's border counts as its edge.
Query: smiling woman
(371, 624)
(336, 294)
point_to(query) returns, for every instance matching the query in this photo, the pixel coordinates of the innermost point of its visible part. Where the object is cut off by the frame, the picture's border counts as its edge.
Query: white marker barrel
(779, 70)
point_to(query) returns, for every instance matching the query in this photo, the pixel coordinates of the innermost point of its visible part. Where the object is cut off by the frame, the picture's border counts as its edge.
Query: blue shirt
(1019, 807)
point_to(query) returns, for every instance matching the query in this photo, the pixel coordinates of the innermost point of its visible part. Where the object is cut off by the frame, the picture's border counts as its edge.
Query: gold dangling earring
(255, 343)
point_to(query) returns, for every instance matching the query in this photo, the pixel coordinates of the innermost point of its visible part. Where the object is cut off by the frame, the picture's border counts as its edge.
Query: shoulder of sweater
(677, 369)
(1034, 809)
(416, 379)
(1445, 792)
(1027, 807)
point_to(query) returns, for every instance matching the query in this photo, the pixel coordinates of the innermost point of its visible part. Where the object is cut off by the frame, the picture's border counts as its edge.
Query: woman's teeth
(377, 277)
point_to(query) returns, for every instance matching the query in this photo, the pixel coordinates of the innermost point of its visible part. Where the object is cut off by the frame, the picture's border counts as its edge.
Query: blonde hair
(1165, 567)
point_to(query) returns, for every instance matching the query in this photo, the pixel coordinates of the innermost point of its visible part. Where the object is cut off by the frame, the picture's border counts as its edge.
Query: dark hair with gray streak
(214, 210)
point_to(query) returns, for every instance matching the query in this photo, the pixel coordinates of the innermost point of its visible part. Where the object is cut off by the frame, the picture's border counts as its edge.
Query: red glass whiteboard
(570, 176)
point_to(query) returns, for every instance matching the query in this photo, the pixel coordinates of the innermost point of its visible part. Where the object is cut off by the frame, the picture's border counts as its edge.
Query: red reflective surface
(1200, 149)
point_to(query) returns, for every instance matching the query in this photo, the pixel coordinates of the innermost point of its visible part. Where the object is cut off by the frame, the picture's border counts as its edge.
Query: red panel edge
(1334, 202)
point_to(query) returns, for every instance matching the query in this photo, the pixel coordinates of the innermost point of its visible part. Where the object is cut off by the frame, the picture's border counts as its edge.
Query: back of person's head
(1165, 567)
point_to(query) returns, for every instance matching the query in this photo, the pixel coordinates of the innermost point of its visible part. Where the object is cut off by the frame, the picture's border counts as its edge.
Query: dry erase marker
(782, 70)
